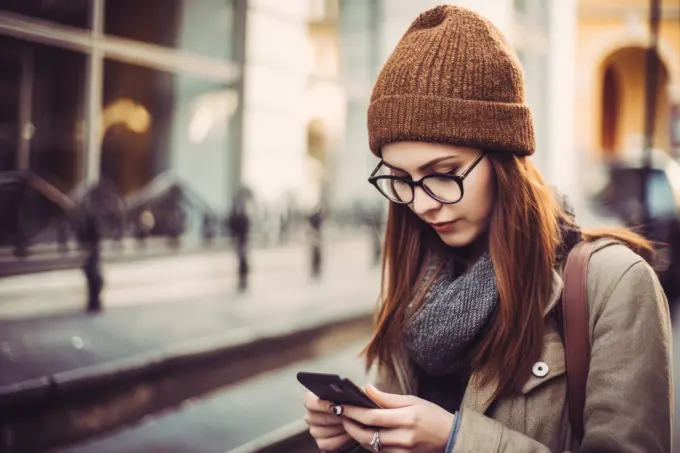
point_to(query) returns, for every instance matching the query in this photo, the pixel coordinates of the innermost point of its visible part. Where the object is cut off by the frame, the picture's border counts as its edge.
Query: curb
(85, 378)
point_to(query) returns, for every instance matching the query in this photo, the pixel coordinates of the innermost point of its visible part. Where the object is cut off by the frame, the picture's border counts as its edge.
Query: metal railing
(43, 229)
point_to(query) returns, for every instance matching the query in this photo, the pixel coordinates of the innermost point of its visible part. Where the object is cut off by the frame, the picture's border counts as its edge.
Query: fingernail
(337, 409)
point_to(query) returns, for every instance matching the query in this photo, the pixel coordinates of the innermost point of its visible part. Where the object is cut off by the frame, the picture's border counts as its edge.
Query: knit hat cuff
(496, 126)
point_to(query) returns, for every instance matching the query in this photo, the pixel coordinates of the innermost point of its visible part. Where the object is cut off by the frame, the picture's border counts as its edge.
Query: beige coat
(629, 389)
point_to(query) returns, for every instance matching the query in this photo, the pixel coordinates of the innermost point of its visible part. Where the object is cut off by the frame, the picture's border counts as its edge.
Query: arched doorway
(623, 104)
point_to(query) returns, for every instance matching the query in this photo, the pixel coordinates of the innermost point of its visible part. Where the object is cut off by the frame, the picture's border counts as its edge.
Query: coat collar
(479, 397)
(557, 286)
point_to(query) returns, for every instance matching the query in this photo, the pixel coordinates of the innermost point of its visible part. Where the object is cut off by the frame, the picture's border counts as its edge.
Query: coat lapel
(478, 397)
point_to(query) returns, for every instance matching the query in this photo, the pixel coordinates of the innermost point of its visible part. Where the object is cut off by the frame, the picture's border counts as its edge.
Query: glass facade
(42, 92)
(154, 121)
(124, 90)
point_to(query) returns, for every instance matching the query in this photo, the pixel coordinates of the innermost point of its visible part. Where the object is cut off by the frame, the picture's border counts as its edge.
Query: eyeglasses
(443, 187)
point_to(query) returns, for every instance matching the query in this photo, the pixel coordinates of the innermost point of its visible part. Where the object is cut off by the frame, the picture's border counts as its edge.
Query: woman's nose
(423, 203)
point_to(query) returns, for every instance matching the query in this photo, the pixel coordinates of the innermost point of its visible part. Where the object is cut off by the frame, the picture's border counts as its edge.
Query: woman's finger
(358, 432)
(321, 419)
(313, 403)
(326, 432)
(395, 440)
(384, 418)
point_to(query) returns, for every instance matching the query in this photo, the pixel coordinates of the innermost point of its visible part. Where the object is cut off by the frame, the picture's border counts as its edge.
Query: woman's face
(457, 224)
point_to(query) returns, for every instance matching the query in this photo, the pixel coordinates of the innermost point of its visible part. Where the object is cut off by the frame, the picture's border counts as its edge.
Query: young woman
(469, 353)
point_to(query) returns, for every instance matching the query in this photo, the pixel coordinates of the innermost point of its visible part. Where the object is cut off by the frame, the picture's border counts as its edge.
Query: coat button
(540, 369)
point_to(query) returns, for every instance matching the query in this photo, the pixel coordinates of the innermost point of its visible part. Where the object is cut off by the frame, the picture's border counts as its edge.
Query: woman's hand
(324, 426)
(406, 424)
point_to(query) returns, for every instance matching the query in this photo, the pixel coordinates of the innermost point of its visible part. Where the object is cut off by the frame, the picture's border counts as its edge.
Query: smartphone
(336, 389)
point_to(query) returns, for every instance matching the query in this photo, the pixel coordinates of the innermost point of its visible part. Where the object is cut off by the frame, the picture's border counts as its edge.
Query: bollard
(92, 266)
(315, 222)
(238, 224)
(316, 260)
(243, 267)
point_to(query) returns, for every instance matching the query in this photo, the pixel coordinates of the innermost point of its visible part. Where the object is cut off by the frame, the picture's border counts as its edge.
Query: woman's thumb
(388, 400)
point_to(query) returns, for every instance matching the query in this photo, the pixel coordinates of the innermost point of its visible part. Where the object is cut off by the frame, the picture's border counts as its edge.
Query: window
(74, 13)
(155, 90)
(204, 27)
(41, 112)
(153, 121)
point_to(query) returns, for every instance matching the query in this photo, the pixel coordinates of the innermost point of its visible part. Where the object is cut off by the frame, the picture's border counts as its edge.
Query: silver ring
(375, 442)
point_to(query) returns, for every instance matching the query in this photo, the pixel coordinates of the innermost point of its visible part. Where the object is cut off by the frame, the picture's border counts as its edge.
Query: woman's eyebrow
(425, 166)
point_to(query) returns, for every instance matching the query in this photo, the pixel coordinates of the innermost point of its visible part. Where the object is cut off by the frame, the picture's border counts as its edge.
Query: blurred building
(610, 78)
(267, 93)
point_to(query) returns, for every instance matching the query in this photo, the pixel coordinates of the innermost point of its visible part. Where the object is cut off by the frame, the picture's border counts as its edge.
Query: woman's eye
(453, 171)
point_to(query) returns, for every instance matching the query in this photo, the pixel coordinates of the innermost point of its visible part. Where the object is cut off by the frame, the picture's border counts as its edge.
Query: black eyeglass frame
(373, 179)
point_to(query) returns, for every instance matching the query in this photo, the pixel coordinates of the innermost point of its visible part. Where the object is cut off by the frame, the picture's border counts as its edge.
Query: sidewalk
(168, 311)
(171, 278)
(68, 375)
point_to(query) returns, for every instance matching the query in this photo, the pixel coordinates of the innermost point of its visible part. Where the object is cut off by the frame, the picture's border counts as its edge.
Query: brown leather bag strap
(575, 331)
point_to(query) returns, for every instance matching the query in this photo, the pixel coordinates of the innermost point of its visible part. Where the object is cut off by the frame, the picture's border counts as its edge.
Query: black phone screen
(335, 388)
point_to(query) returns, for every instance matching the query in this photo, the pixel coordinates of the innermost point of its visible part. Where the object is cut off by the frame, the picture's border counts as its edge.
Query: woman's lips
(444, 227)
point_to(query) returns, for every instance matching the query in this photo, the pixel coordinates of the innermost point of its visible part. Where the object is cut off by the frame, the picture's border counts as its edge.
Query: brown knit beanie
(452, 79)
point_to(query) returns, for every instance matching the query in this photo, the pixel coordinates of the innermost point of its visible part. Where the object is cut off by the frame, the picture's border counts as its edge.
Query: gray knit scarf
(452, 313)
(455, 311)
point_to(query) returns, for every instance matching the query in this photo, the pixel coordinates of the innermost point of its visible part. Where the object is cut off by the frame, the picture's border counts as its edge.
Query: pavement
(172, 302)
(173, 277)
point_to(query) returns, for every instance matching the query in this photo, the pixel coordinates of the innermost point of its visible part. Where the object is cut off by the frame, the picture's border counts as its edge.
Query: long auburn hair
(523, 237)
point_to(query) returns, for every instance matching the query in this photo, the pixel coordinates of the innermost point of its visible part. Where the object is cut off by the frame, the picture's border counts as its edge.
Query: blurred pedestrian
(467, 340)
(239, 228)
(316, 223)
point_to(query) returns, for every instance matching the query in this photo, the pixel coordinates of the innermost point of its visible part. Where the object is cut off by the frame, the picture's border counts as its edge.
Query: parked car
(621, 197)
